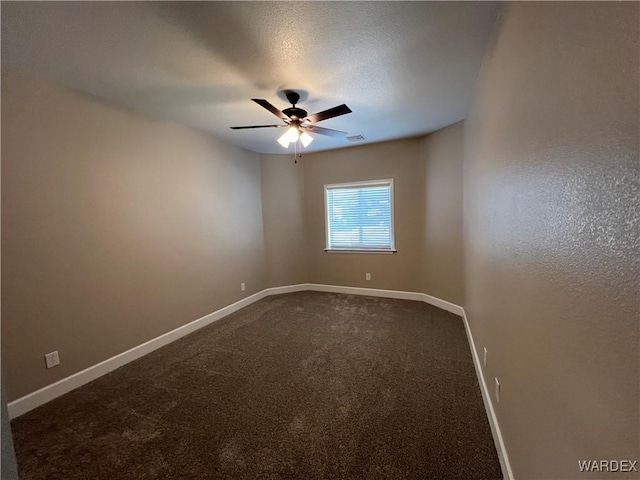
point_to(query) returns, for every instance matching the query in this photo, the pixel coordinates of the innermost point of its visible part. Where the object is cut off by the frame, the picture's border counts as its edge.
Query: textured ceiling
(404, 68)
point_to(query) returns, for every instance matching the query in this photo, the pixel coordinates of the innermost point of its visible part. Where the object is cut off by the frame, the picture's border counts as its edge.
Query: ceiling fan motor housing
(295, 113)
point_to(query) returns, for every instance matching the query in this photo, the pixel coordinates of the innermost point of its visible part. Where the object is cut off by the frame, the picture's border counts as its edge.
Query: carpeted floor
(305, 385)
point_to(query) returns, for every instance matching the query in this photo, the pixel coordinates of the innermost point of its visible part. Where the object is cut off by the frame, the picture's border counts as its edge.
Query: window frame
(367, 183)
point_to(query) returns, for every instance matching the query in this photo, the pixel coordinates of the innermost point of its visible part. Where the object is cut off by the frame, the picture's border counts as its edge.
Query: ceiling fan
(299, 122)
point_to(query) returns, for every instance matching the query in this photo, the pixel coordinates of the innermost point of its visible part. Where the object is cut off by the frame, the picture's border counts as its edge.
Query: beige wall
(551, 233)
(427, 173)
(399, 160)
(283, 213)
(443, 253)
(115, 229)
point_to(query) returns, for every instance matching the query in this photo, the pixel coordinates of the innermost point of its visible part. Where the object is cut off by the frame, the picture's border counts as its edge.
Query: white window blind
(359, 216)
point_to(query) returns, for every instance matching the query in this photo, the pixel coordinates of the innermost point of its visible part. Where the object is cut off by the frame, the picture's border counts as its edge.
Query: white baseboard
(376, 292)
(46, 394)
(300, 287)
(488, 406)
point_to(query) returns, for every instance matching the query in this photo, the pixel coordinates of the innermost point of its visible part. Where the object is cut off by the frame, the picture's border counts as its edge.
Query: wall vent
(356, 138)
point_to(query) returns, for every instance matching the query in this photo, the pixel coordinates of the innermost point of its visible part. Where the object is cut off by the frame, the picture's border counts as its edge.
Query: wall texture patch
(551, 232)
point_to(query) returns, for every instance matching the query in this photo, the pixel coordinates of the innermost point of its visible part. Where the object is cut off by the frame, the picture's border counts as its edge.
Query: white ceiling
(404, 68)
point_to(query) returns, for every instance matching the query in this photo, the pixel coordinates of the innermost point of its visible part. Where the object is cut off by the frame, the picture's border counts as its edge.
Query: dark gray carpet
(300, 386)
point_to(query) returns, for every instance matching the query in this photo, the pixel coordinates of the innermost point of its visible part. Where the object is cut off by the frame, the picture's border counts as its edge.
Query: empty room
(320, 240)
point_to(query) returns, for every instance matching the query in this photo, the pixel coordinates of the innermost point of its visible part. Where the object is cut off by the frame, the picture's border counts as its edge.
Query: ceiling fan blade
(258, 126)
(325, 131)
(271, 108)
(332, 112)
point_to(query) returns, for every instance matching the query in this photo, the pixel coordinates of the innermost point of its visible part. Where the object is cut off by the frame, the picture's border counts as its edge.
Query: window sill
(360, 250)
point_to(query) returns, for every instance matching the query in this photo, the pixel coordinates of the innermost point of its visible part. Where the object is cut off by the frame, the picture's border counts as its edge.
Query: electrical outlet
(367, 276)
(497, 390)
(485, 357)
(242, 287)
(52, 359)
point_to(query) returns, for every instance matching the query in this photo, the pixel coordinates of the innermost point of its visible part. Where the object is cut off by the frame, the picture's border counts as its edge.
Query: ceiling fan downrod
(293, 112)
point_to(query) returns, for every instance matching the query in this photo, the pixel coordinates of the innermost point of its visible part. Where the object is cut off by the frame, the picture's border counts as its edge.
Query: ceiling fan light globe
(306, 139)
(284, 140)
(292, 134)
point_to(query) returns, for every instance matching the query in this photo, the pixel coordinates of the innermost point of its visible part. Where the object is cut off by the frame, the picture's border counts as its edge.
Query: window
(359, 216)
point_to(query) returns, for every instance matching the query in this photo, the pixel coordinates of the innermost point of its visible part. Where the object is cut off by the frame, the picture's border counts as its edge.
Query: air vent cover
(356, 138)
